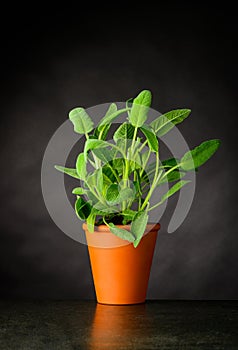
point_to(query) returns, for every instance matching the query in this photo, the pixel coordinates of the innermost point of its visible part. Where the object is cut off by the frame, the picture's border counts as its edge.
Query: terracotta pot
(120, 271)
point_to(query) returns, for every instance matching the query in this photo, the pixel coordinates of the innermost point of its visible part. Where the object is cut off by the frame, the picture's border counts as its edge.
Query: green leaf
(118, 165)
(95, 179)
(99, 180)
(166, 122)
(83, 124)
(121, 233)
(199, 155)
(151, 137)
(79, 191)
(104, 154)
(115, 195)
(140, 108)
(102, 209)
(107, 171)
(125, 131)
(110, 116)
(112, 193)
(69, 171)
(138, 226)
(91, 221)
(92, 144)
(175, 188)
(81, 166)
(92, 198)
(82, 208)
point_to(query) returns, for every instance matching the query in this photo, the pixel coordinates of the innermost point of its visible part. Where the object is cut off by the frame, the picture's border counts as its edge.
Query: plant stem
(142, 146)
(154, 183)
(155, 206)
(170, 170)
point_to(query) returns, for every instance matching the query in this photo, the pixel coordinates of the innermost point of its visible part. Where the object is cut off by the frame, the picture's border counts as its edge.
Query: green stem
(155, 206)
(170, 170)
(146, 161)
(142, 146)
(154, 183)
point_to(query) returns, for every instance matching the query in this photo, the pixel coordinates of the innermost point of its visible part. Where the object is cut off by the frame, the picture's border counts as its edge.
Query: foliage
(119, 189)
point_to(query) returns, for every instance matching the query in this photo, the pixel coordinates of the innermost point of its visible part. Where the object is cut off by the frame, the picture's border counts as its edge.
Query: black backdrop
(53, 61)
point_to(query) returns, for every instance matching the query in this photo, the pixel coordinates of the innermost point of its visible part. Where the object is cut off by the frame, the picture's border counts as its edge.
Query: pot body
(120, 271)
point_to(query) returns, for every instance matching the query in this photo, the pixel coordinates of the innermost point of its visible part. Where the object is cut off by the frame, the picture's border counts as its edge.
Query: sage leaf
(151, 137)
(69, 171)
(99, 180)
(138, 226)
(125, 131)
(91, 220)
(81, 166)
(104, 154)
(121, 233)
(82, 208)
(139, 110)
(199, 155)
(83, 124)
(79, 191)
(166, 122)
(112, 193)
(92, 144)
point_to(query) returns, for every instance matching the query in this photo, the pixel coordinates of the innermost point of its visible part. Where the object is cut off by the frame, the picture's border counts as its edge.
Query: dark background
(55, 60)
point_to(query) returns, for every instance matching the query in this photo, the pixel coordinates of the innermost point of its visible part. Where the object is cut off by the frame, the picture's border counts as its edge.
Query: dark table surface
(87, 325)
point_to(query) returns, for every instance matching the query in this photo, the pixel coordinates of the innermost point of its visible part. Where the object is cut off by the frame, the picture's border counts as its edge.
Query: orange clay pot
(120, 271)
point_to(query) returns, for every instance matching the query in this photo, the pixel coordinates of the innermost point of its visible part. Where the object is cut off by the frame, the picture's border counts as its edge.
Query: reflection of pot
(120, 273)
(115, 326)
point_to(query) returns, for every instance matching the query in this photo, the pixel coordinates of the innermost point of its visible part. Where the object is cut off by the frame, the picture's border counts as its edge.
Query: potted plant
(114, 197)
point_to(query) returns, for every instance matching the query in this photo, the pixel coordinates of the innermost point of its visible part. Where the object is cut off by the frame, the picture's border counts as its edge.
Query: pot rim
(104, 228)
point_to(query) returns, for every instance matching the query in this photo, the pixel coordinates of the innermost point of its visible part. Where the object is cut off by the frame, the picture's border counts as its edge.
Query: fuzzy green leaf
(112, 193)
(151, 137)
(69, 171)
(91, 220)
(79, 191)
(199, 155)
(175, 188)
(166, 122)
(115, 195)
(92, 144)
(82, 208)
(138, 226)
(83, 124)
(104, 154)
(121, 233)
(107, 171)
(99, 180)
(81, 166)
(125, 131)
(140, 108)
